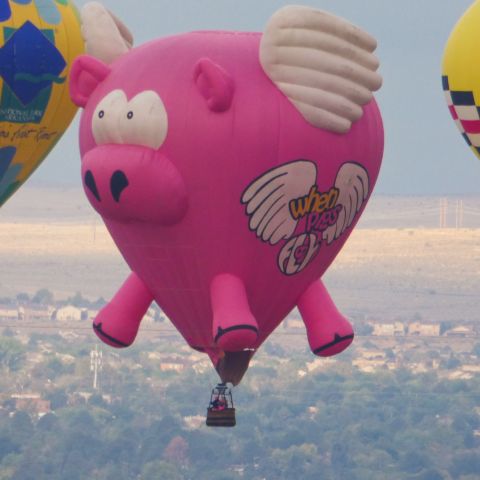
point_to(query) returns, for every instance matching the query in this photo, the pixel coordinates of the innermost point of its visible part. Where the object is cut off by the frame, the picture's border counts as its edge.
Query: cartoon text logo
(278, 201)
(320, 209)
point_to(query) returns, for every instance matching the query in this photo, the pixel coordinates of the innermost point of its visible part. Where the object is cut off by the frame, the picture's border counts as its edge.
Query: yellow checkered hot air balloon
(461, 76)
(38, 42)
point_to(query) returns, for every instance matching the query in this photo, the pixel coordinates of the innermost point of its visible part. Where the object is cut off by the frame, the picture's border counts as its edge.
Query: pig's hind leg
(328, 331)
(117, 323)
(234, 326)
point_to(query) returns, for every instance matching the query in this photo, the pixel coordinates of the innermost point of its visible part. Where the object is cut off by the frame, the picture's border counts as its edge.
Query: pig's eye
(105, 123)
(145, 121)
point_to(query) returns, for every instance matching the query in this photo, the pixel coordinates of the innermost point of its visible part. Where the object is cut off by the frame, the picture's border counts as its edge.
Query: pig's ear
(86, 74)
(322, 63)
(214, 84)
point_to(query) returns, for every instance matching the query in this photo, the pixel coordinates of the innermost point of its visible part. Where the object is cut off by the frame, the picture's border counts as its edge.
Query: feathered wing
(105, 35)
(353, 185)
(322, 63)
(268, 199)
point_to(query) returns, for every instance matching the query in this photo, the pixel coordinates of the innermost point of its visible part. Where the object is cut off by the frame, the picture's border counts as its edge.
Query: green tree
(43, 297)
(99, 303)
(452, 363)
(58, 399)
(21, 428)
(12, 353)
(79, 301)
(160, 470)
(8, 332)
(23, 298)
(55, 368)
(29, 468)
(176, 452)
(48, 423)
(7, 445)
(364, 329)
(431, 475)
(113, 471)
(414, 461)
(465, 464)
(445, 326)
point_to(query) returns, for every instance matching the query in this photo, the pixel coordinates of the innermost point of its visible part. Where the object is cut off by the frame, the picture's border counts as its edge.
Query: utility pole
(95, 365)
(443, 212)
(94, 229)
(459, 214)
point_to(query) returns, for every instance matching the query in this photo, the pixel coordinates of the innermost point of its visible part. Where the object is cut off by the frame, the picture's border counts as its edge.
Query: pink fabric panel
(210, 157)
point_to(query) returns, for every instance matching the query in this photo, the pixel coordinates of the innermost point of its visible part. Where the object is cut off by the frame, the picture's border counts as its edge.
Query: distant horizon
(45, 202)
(33, 184)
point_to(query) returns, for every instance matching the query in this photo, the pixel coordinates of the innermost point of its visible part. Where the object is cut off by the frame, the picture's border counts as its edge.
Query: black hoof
(222, 331)
(338, 339)
(109, 339)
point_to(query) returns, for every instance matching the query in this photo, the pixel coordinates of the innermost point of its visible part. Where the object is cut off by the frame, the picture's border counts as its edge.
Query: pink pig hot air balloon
(230, 168)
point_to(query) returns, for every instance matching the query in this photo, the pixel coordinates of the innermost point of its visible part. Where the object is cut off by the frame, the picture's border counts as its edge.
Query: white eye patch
(106, 118)
(145, 122)
(141, 121)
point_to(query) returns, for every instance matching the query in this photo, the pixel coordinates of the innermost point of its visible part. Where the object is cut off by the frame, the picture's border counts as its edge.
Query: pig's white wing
(268, 199)
(353, 186)
(322, 63)
(105, 35)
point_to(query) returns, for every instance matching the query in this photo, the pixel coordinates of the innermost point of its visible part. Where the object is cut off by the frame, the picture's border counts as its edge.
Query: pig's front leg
(117, 323)
(329, 332)
(234, 326)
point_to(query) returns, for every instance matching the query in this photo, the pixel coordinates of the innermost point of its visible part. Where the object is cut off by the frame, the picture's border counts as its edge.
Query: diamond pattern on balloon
(465, 110)
(29, 62)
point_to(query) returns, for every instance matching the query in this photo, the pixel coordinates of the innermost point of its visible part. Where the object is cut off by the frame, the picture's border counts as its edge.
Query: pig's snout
(128, 183)
(118, 183)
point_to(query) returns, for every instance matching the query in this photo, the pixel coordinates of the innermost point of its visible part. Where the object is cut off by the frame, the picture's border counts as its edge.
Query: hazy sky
(424, 151)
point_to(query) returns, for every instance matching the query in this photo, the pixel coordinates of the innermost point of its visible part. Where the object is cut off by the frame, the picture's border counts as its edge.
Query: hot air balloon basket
(221, 418)
(221, 412)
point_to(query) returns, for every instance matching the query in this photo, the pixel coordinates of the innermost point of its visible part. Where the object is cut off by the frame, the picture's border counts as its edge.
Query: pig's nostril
(118, 183)
(91, 185)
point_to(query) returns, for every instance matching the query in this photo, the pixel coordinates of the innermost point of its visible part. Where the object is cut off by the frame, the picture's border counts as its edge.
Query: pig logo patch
(286, 204)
